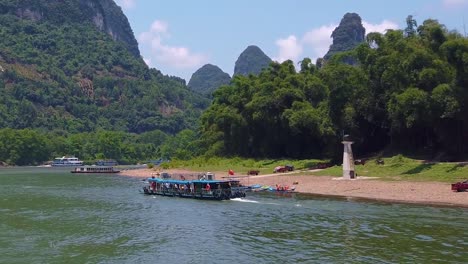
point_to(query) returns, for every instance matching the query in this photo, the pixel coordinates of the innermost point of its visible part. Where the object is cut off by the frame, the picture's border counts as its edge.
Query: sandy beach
(430, 193)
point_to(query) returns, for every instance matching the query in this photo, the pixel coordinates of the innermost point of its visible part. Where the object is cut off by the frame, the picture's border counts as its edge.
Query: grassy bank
(402, 168)
(240, 165)
(394, 168)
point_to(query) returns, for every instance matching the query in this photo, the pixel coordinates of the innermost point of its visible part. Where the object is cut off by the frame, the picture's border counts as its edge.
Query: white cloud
(289, 49)
(318, 40)
(381, 28)
(127, 4)
(178, 57)
(159, 26)
(147, 61)
(454, 3)
(163, 54)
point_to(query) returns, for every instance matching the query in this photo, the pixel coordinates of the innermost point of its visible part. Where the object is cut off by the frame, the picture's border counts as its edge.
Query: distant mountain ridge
(207, 79)
(349, 33)
(251, 61)
(210, 77)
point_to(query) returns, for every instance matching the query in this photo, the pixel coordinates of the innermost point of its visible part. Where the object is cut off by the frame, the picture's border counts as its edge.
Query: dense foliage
(104, 14)
(207, 79)
(407, 92)
(32, 147)
(60, 75)
(251, 61)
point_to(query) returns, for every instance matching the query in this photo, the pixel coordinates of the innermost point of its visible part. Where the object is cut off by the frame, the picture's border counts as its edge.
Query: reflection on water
(53, 216)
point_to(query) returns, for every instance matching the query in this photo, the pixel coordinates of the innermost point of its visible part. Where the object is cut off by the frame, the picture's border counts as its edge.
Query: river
(50, 215)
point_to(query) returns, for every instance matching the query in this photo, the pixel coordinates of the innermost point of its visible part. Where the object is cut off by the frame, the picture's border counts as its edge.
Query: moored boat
(277, 188)
(196, 189)
(66, 161)
(460, 186)
(108, 162)
(95, 169)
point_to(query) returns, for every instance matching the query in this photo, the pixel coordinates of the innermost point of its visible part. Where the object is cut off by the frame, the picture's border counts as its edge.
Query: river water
(50, 215)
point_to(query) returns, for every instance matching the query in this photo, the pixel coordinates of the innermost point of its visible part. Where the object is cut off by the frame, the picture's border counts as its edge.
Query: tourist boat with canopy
(196, 189)
(66, 162)
(107, 162)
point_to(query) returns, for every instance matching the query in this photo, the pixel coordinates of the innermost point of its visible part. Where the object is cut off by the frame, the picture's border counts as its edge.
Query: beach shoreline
(362, 188)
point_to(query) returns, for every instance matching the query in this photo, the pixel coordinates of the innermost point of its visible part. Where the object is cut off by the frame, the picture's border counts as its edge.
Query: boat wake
(251, 201)
(244, 200)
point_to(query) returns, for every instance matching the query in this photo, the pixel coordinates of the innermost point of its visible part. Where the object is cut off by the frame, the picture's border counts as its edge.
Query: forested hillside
(407, 91)
(207, 79)
(349, 34)
(74, 66)
(251, 61)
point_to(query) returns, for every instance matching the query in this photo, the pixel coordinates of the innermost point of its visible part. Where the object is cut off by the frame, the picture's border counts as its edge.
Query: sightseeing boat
(95, 169)
(108, 162)
(66, 162)
(196, 189)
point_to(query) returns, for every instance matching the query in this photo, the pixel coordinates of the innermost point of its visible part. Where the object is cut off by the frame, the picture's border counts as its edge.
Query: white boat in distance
(66, 161)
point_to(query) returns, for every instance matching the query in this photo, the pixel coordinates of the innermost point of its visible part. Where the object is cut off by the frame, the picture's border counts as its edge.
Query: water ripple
(103, 219)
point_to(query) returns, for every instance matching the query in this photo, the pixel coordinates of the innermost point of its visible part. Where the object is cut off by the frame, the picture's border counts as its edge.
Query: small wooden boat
(460, 186)
(280, 190)
(277, 188)
(95, 169)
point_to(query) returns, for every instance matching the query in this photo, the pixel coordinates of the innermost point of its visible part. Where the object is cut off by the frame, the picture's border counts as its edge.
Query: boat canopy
(159, 180)
(212, 181)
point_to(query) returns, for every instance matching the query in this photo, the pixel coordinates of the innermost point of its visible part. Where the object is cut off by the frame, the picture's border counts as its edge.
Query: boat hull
(94, 172)
(216, 196)
(67, 165)
(95, 169)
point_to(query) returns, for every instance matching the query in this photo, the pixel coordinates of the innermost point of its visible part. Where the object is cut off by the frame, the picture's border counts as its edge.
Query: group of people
(282, 188)
(188, 187)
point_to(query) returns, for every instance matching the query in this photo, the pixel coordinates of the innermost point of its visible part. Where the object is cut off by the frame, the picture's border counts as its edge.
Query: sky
(178, 37)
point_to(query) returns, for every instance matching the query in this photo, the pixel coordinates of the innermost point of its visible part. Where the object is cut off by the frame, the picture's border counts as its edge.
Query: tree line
(34, 147)
(407, 92)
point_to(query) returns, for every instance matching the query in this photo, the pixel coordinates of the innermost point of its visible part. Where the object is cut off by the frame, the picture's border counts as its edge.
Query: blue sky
(177, 37)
